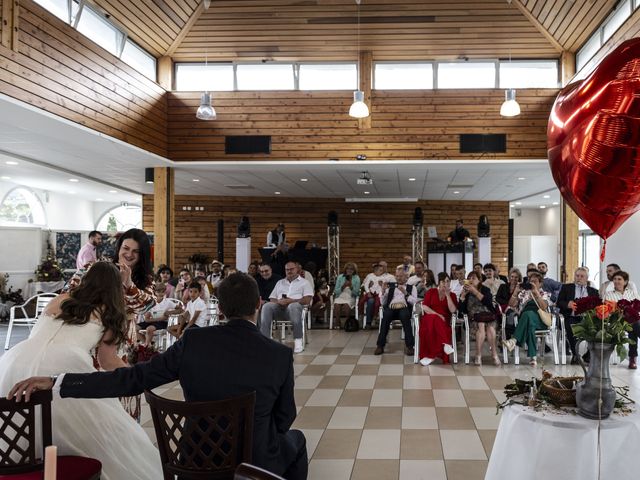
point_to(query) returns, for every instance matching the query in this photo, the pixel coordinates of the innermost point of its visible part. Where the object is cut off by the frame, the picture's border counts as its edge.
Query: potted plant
(604, 326)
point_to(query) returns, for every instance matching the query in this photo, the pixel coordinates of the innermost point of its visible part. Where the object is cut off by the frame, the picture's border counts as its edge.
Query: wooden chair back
(203, 440)
(18, 433)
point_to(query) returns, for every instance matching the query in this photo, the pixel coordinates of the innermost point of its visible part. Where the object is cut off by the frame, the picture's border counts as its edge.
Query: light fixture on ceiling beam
(358, 109)
(148, 175)
(510, 107)
(207, 4)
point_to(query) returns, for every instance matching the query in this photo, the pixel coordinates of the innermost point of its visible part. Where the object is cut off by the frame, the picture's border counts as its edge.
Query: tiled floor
(382, 417)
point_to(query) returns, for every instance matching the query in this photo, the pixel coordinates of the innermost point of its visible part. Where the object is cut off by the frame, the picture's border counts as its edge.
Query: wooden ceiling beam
(536, 23)
(185, 30)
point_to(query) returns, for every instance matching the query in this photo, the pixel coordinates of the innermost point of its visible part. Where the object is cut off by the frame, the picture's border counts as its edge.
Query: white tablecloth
(532, 445)
(33, 288)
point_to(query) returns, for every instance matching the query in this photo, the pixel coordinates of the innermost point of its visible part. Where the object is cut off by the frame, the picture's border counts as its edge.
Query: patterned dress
(138, 301)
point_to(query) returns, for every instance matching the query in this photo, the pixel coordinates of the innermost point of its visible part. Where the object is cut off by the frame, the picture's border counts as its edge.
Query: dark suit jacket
(215, 363)
(568, 294)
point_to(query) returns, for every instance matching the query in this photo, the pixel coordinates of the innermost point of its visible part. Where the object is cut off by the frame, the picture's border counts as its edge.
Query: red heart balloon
(592, 140)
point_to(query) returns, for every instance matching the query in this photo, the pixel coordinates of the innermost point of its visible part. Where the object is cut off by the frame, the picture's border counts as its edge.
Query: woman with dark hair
(622, 291)
(92, 316)
(133, 259)
(477, 302)
(435, 331)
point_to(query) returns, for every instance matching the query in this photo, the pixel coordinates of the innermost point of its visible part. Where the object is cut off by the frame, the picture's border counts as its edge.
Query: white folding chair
(332, 302)
(415, 321)
(541, 336)
(283, 324)
(214, 311)
(393, 322)
(464, 324)
(41, 300)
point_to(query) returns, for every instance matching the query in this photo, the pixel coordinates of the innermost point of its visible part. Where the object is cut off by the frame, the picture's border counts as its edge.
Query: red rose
(586, 303)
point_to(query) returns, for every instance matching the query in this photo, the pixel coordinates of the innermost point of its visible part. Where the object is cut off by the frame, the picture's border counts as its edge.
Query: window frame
(36, 199)
(115, 207)
(406, 62)
(532, 60)
(496, 78)
(297, 66)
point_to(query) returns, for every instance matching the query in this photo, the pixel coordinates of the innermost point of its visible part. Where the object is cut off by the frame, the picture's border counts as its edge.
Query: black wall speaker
(418, 218)
(246, 144)
(481, 143)
(332, 219)
(220, 238)
(484, 228)
(244, 228)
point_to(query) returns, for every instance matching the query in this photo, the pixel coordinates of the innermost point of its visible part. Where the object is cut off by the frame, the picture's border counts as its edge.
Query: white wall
(533, 227)
(621, 248)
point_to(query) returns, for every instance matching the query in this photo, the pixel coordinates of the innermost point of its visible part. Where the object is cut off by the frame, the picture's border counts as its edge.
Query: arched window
(120, 219)
(22, 206)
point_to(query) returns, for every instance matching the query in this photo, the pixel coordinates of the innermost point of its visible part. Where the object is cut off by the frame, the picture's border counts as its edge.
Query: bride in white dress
(62, 341)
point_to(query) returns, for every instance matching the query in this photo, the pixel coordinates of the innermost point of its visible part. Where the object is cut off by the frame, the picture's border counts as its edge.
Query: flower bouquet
(606, 322)
(141, 353)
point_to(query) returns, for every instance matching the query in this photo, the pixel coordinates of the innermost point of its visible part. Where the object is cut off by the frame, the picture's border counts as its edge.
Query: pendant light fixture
(510, 107)
(358, 109)
(205, 110)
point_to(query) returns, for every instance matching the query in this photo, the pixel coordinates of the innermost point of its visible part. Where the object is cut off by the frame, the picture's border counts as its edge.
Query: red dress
(434, 331)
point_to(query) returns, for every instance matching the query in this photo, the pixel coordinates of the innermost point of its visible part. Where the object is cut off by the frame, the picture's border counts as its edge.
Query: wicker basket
(561, 396)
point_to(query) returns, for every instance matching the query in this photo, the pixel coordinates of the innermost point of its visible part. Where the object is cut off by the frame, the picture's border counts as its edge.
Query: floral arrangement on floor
(8, 298)
(531, 393)
(606, 322)
(141, 353)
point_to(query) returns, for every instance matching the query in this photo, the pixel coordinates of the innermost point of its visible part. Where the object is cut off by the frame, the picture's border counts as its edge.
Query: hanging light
(148, 175)
(207, 4)
(205, 110)
(358, 109)
(510, 107)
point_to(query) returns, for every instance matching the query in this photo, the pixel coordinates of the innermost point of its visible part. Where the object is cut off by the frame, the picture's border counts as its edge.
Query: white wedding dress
(96, 428)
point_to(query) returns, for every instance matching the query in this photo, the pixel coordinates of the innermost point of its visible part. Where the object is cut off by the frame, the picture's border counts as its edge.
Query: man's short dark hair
(165, 268)
(614, 265)
(459, 268)
(93, 233)
(418, 262)
(476, 264)
(533, 270)
(196, 285)
(238, 295)
(489, 266)
(543, 263)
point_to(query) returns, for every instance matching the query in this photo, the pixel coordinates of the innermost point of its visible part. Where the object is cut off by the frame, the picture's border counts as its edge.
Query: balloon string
(603, 251)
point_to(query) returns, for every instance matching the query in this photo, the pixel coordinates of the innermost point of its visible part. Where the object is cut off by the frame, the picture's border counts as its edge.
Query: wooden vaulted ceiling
(326, 29)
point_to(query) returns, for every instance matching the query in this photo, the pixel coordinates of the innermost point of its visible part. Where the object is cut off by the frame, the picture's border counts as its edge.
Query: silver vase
(596, 380)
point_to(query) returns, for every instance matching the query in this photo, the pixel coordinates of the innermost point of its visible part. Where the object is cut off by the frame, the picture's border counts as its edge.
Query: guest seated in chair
(196, 313)
(372, 286)
(211, 364)
(504, 295)
(527, 298)
(491, 279)
(345, 294)
(158, 316)
(569, 292)
(623, 290)
(266, 281)
(477, 302)
(288, 298)
(417, 279)
(397, 299)
(435, 330)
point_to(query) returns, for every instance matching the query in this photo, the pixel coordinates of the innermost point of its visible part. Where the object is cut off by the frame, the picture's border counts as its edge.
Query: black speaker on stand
(484, 229)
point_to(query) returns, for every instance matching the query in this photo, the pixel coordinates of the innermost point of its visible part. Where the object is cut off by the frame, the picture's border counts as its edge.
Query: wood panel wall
(58, 69)
(316, 125)
(369, 231)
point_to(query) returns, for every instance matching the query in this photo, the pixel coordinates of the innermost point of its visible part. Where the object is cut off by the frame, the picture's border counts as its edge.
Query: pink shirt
(87, 254)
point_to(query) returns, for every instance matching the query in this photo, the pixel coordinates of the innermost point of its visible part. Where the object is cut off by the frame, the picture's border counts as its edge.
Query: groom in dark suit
(214, 363)
(569, 292)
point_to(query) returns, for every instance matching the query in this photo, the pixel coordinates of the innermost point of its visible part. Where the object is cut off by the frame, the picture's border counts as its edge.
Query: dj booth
(303, 255)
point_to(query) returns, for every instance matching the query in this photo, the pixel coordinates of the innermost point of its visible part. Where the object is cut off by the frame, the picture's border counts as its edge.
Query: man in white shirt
(277, 236)
(398, 300)
(406, 265)
(386, 276)
(288, 299)
(458, 283)
(87, 254)
(417, 279)
(607, 286)
(215, 277)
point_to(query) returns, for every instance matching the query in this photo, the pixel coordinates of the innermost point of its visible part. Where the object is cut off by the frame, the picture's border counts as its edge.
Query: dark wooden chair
(246, 471)
(18, 457)
(203, 440)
